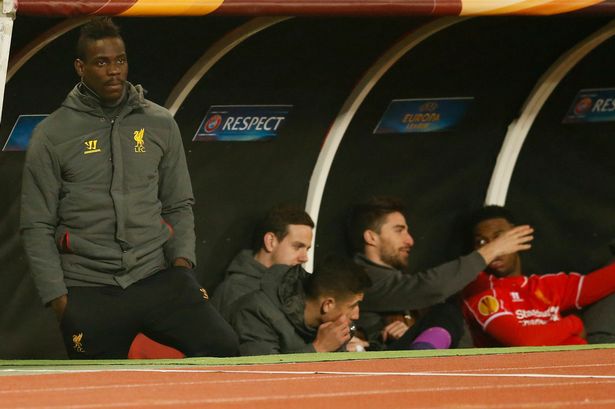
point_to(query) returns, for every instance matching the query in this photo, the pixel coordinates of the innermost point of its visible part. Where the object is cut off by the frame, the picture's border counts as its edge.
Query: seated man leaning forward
(283, 236)
(505, 308)
(379, 234)
(296, 312)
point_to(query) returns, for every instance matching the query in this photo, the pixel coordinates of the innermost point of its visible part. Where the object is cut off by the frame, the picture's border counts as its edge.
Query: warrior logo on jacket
(91, 146)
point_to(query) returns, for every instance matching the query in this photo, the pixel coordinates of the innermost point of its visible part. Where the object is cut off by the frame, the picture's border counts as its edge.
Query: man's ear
(270, 241)
(370, 237)
(79, 67)
(326, 305)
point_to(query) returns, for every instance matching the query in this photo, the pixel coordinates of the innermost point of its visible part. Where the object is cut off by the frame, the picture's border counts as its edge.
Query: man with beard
(379, 234)
(505, 308)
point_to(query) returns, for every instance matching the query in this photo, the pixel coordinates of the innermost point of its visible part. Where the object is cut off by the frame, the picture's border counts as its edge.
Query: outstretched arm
(597, 285)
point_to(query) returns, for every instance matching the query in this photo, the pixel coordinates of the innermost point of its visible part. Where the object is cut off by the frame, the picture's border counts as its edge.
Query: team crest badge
(77, 345)
(140, 143)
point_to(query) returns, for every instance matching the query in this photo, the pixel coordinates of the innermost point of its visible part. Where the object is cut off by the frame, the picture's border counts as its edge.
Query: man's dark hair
(486, 213)
(490, 212)
(338, 277)
(96, 29)
(370, 215)
(277, 220)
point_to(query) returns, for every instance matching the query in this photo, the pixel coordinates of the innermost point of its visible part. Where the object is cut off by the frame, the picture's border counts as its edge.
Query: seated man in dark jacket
(379, 234)
(294, 311)
(284, 236)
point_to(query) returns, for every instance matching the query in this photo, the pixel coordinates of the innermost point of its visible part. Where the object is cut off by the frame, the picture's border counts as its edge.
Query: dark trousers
(170, 307)
(599, 320)
(446, 315)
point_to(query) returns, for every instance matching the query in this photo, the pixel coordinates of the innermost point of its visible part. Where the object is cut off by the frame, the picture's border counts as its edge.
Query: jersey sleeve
(563, 287)
(597, 284)
(576, 290)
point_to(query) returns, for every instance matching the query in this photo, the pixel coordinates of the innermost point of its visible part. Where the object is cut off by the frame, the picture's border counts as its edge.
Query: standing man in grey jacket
(379, 234)
(106, 216)
(283, 236)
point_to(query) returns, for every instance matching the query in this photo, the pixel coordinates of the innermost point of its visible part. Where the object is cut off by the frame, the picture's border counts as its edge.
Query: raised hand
(332, 335)
(514, 240)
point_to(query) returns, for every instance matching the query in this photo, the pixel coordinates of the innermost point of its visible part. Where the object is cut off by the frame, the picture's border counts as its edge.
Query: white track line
(540, 405)
(525, 368)
(253, 381)
(153, 402)
(163, 384)
(347, 373)
(415, 389)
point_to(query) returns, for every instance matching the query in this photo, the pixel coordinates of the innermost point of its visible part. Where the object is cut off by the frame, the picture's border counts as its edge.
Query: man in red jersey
(505, 308)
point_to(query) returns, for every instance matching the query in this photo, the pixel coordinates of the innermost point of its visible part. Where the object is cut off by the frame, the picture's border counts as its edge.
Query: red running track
(568, 379)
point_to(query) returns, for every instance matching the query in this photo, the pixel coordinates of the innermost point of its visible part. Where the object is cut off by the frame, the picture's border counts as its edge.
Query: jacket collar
(361, 259)
(245, 264)
(81, 100)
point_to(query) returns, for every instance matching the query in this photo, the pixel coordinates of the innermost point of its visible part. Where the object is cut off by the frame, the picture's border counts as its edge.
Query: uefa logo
(212, 123)
(241, 122)
(583, 105)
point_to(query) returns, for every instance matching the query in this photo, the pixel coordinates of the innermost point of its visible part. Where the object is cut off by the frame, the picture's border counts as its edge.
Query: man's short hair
(338, 277)
(370, 215)
(96, 29)
(277, 220)
(486, 213)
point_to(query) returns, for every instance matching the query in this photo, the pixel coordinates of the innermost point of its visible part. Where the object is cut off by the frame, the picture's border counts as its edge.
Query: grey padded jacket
(105, 201)
(270, 320)
(243, 276)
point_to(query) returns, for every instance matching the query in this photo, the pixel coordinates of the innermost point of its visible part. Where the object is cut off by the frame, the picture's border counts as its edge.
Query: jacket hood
(284, 286)
(85, 102)
(245, 264)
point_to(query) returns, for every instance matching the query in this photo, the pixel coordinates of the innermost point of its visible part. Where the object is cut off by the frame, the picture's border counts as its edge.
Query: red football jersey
(514, 311)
